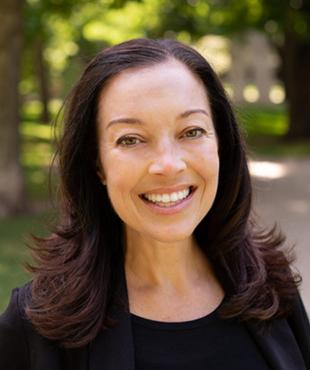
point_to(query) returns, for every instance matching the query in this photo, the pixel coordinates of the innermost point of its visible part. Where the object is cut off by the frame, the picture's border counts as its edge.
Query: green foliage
(117, 25)
(201, 17)
(37, 152)
(73, 31)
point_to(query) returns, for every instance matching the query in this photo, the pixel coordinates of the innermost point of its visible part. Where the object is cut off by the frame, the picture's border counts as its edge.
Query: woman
(156, 262)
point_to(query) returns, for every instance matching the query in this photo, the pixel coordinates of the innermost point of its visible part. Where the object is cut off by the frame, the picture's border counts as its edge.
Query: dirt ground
(282, 195)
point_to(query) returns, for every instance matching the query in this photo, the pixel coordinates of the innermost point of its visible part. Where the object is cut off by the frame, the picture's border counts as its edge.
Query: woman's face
(158, 150)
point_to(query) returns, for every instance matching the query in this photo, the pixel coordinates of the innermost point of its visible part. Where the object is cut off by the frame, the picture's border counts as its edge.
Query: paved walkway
(282, 194)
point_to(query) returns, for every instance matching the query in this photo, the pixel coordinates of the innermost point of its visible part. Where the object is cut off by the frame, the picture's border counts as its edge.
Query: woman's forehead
(168, 83)
(168, 69)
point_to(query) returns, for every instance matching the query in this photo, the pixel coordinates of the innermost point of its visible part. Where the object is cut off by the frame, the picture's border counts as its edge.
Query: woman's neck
(153, 264)
(169, 281)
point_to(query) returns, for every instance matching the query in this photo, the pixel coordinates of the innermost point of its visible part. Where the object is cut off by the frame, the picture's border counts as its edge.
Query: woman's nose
(167, 161)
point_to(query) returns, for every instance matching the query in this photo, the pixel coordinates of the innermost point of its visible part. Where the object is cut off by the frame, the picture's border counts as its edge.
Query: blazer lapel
(44, 355)
(278, 346)
(113, 349)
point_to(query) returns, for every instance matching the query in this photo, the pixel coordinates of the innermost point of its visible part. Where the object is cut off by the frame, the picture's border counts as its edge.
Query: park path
(282, 195)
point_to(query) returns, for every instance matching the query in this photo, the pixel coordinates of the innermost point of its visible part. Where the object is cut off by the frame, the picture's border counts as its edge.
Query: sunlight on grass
(263, 121)
(265, 129)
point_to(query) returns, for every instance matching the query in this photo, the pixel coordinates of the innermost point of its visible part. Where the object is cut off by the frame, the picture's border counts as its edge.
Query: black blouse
(207, 343)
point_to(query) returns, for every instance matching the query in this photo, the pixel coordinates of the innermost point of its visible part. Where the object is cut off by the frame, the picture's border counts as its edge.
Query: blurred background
(260, 49)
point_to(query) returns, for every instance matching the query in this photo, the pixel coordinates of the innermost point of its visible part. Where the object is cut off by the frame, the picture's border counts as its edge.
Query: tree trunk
(296, 63)
(42, 76)
(11, 176)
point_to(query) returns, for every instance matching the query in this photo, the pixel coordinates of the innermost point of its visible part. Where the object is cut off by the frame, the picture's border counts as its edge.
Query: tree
(294, 24)
(11, 176)
(12, 27)
(38, 33)
(287, 24)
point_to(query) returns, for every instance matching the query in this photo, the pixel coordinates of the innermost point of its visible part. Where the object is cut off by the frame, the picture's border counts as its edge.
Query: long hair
(76, 269)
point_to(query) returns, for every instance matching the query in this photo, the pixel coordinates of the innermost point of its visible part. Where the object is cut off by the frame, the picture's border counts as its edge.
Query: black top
(286, 346)
(207, 343)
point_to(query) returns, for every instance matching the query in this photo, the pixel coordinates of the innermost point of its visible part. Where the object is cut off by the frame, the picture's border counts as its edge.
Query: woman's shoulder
(300, 325)
(14, 347)
(15, 311)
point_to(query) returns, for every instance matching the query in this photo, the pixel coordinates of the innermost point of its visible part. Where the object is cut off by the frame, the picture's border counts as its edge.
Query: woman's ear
(100, 173)
(101, 177)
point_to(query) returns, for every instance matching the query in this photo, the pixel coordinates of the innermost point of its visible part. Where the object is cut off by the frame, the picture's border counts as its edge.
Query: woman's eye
(195, 133)
(128, 141)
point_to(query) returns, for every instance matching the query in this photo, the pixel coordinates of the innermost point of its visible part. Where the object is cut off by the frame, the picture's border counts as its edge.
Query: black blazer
(285, 347)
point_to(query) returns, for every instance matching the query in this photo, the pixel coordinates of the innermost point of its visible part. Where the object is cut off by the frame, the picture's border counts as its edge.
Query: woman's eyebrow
(136, 121)
(192, 111)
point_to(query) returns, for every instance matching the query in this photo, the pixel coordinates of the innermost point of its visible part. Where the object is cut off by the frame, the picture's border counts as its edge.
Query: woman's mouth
(168, 200)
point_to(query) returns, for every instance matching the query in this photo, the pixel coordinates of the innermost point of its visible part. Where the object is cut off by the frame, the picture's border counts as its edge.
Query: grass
(14, 233)
(265, 129)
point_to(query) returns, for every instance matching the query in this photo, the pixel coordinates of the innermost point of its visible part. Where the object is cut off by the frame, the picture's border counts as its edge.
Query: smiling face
(158, 150)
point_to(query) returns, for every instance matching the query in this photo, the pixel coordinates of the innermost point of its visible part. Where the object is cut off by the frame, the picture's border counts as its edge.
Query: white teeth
(165, 198)
(174, 197)
(168, 198)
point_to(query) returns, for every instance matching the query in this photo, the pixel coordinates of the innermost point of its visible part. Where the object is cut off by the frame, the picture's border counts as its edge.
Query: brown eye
(195, 133)
(128, 141)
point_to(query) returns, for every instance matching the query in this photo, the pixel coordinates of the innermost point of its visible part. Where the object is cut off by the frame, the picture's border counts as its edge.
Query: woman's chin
(170, 237)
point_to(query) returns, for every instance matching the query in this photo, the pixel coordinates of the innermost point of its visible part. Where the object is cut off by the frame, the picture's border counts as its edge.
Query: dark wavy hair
(76, 269)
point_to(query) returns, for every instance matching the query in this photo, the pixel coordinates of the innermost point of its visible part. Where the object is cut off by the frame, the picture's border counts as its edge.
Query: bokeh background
(260, 49)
